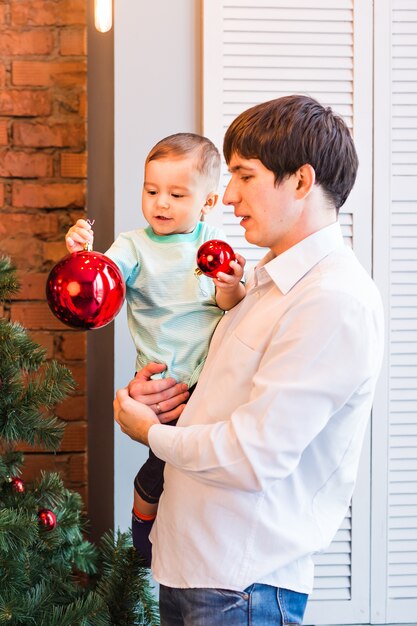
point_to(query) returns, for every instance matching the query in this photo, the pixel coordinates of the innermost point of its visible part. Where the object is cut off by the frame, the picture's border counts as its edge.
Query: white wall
(157, 67)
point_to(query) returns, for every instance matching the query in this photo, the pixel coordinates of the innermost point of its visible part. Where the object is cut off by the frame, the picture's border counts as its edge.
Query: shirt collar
(290, 266)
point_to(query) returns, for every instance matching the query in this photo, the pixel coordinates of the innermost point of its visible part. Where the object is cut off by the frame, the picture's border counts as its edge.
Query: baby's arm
(78, 235)
(229, 289)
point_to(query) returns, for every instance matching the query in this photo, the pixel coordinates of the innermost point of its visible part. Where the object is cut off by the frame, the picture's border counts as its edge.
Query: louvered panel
(290, 38)
(279, 51)
(333, 568)
(262, 59)
(402, 383)
(300, 5)
(406, 497)
(270, 49)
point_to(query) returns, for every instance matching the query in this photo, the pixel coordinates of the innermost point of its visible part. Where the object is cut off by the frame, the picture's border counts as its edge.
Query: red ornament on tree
(85, 290)
(17, 485)
(214, 256)
(47, 518)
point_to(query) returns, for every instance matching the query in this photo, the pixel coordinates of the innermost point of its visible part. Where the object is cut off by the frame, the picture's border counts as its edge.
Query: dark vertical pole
(100, 207)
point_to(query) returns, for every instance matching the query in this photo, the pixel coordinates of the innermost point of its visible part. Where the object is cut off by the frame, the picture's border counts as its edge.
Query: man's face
(269, 213)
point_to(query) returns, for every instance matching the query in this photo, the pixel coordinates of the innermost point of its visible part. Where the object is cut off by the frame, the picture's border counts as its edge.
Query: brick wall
(42, 187)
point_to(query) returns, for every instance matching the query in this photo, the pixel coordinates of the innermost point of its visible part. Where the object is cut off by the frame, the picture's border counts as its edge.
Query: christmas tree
(50, 575)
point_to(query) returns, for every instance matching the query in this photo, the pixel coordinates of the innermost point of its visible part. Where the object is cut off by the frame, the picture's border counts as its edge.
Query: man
(261, 466)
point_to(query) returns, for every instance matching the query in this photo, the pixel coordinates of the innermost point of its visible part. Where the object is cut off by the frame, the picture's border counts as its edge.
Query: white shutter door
(259, 50)
(394, 553)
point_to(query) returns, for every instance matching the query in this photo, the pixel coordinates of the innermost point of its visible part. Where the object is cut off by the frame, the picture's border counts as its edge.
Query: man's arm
(308, 373)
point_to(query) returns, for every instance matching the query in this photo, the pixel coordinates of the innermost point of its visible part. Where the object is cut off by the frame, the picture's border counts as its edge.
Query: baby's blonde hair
(207, 161)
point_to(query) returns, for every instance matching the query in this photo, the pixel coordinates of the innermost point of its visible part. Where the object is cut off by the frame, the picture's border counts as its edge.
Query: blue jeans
(258, 605)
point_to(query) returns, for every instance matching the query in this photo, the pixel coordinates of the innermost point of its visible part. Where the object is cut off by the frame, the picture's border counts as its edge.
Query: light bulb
(103, 17)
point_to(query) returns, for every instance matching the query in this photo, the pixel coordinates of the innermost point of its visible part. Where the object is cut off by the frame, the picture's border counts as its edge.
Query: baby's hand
(229, 282)
(78, 235)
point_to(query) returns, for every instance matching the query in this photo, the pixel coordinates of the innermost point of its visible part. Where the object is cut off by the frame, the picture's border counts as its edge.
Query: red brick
(48, 13)
(79, 373)
(74, 346)
(47, 73)
(4, 139)
(35, 463)
(82, 490)
(69, 102)
(83, 105)
(35, 316)
(48, 135)
(44, 339)
(73, 42)
(26, 42)
(37, 224)
(78, 468)
(2, 75)
(71, 468)
(48, 195)
(34, 13)
(25, 165)
(73, 408)
(32, 285)
(54, 251)
(73, 12)
(73, 165)
(25, 103)
(26, 252)
(1, 194)
(75, 437)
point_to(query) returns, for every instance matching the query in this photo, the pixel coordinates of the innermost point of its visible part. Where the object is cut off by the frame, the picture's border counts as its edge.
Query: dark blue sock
(140, 535)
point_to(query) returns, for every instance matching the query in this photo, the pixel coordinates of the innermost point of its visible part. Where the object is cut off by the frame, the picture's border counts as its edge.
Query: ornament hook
(88, 246)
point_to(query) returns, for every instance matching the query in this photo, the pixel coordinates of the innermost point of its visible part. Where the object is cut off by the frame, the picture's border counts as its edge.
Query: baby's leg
(149, 484)
(143, 516)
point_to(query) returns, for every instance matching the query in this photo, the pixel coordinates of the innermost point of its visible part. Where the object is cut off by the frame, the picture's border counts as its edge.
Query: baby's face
(174, 194)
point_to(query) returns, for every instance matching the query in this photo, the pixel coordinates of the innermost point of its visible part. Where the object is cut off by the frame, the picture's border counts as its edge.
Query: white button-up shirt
(262, 464)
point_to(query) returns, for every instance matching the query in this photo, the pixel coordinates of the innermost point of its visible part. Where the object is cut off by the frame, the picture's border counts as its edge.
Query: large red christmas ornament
(17, 485)
(214, 256)
(47, 518)
(85, 290)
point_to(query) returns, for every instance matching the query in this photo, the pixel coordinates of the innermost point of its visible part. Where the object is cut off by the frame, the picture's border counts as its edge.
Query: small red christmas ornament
(85, 290)
(47, 519)
(17, 485)
(214, 256)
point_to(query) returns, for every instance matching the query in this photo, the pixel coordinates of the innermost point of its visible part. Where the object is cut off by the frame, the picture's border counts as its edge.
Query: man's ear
(211, 202)
(305, 177)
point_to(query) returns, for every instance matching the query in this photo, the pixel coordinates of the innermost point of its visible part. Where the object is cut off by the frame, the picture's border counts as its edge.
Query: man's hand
(134, 418)
(164, 396)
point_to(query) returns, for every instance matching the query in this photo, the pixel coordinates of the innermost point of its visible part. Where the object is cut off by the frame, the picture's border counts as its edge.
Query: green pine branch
(17, 530)
(125, 583)
(10, 464)
(9, 284)
(53, 577)
(29, 390)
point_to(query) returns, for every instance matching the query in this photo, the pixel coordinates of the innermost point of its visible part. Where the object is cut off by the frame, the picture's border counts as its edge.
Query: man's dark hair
(292, 131)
